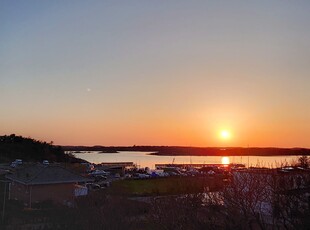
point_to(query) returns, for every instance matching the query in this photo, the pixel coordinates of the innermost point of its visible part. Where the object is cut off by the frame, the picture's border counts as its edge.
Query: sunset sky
(156, 72)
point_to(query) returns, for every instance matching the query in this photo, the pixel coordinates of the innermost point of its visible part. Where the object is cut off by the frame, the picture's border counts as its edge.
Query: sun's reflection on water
(225, 160)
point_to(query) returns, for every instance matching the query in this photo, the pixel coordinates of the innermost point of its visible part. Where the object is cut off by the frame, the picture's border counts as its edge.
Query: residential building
(36, 183)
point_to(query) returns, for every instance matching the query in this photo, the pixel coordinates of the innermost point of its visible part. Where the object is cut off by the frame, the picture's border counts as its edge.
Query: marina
(144, 159)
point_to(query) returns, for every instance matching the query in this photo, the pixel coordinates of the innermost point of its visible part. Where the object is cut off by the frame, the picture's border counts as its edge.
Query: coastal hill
(17, 147)
(195, 151)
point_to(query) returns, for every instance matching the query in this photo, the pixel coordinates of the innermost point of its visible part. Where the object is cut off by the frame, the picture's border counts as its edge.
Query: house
(36, 183)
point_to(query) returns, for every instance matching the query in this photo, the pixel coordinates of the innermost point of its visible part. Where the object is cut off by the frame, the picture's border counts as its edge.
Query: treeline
(195, 151)
(17, 147)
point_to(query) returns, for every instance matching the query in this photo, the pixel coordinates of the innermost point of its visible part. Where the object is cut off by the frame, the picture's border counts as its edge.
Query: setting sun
(225, 134)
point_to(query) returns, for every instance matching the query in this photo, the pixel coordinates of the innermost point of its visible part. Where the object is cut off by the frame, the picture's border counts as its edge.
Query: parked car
(127, 175)
(16, 162)
(19, 161)
(99, 172)
(104, 184)
(100, 178)
(117, 175)
(141, 176)
(92, 186)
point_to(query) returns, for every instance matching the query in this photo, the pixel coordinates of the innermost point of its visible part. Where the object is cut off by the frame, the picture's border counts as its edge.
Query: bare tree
(291, 200)
(304, 161)
(245, 201)
(183, 212)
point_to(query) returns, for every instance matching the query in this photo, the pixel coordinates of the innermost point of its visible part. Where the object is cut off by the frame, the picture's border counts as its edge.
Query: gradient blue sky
(156, 72)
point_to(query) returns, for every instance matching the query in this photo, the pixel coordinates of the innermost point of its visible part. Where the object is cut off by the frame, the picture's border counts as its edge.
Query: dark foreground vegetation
(17, 147)
(195, 151)
(248, 201)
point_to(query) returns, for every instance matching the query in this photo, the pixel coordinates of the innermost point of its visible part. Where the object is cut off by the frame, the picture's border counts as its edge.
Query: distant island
(17, 147)
(195, 151)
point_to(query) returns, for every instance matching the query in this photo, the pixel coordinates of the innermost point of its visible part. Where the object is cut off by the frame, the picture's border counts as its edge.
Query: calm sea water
(143, 159)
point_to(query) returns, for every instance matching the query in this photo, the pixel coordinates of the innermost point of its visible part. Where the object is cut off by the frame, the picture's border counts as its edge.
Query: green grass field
(164, 186)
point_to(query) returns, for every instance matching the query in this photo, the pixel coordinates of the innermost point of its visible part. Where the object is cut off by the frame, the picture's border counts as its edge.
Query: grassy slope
(164, 186)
